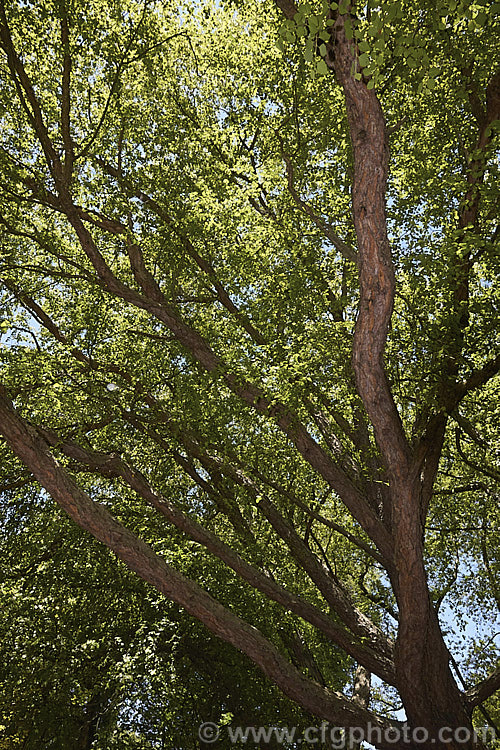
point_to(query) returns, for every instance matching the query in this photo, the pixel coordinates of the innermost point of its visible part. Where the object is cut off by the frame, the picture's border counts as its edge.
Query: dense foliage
(199, 324)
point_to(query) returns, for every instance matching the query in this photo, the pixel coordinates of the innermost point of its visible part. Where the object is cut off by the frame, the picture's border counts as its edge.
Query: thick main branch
(32, 449)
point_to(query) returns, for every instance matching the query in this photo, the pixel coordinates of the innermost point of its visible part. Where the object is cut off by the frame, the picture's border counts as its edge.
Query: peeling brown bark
(425, 682)
(376, 273)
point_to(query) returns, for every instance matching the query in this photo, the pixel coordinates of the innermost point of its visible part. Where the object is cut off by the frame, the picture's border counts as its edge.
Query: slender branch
(15, 485)
(479, 378)
(488, 471)
(427, 457)
(378, 600)
(27, 97)
(487, 564)
(469, 429)
(463, 488)
(331, 589)
(451, 391)
(484, 689)
(66, 102)
(122, 64)
(28, 570)
(191, 251)
(338, 599)
(346, 250)
(289, 495)
(139, 557)
(111, 465)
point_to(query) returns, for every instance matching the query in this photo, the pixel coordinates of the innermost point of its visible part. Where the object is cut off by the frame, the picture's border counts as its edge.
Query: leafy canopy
(179, 289)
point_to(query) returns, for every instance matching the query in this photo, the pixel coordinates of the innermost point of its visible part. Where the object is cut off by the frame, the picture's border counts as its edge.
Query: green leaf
(321, 67)
(309, 51)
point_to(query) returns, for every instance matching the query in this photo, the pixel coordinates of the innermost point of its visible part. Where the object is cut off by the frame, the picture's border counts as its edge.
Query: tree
(248, 348)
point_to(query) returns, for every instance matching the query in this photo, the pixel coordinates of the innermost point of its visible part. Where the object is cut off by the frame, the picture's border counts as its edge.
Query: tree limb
(346, 250)
(139, 557)
(484, 689)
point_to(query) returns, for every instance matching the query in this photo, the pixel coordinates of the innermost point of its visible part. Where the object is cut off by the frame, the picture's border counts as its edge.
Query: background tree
(248, 350)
